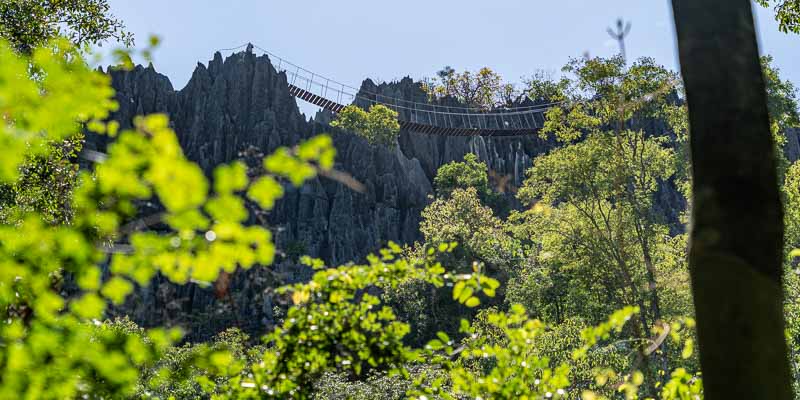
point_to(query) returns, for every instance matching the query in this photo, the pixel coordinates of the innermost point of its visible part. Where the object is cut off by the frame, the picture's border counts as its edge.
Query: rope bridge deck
(422, 117)
(408, 125)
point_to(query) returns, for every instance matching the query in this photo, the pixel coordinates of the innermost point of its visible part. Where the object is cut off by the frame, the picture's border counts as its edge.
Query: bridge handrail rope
(286, 65)
(440, 119)
(503, 111)
(283, 61)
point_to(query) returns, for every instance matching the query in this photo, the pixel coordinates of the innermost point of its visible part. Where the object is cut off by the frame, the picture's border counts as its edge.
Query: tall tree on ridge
(787, 13)
(26, 24)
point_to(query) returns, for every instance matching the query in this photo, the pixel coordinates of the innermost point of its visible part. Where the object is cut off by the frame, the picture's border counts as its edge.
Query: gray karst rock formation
(241, 104)
(792, 147)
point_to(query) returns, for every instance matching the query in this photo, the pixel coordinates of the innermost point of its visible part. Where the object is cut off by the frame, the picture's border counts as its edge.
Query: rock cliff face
(242, 103)
(792, 148)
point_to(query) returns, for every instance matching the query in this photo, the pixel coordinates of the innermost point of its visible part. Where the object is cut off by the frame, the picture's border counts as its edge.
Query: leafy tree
(470, 173)
(178, 371)
(508, 356)
(462, 212)
(737, 218)
(787, 13)
(47, 178)
(482, 89)
(327, 330)
(45, 183)
(791, 309)
(783, 110)
(542, 88)
(781, 100)
(593, 230)
(463, 219)
(585, 225)
(27, 24)
(462, 175)
(791, 199)
(376, 386)
(484, 248)
(603, 186)
(53, 349)
(378, 125)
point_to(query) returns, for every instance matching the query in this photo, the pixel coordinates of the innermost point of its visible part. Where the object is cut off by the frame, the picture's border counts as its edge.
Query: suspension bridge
(422, 117)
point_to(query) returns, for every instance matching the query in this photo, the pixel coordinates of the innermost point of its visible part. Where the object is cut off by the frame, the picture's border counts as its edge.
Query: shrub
(379, 125)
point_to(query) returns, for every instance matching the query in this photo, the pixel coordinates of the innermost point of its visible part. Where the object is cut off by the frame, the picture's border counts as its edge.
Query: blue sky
(350, 40)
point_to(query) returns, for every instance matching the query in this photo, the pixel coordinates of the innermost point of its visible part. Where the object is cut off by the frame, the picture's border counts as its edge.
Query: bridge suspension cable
(423, 117)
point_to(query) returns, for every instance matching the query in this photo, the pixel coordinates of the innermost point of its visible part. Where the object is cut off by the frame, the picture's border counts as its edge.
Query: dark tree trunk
(737, 218)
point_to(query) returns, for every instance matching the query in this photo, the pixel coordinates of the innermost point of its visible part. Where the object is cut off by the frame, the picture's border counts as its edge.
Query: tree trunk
(737, 219)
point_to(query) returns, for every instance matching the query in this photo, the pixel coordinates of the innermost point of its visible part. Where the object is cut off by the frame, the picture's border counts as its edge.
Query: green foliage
(79, 94)
(469, 173)
(591, 246)
(542, 290)
(677, 384)
(605, 92)
(602, 331)
(462, 218)
(180, 370)
(587, 171)
(45, 184)
(542, 88)
(481, 89)
(558, 344)
(588, 233)
(515, 372)
(781, 97)
(378, 125)
(593, 220)
(594, 240)
(27, 24)
(52, 347)
(674, 282)
(508, 355)
(787, 13)
(462, 175)
(376, 386)
(683, 385)
(791, 283)
(336, 325)
(791, 199)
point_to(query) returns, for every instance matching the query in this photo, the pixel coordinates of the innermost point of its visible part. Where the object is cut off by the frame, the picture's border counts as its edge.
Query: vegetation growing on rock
(582, 290)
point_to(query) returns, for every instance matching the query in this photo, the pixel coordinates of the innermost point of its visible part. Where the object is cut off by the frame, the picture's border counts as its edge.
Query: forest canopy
(573, 283)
